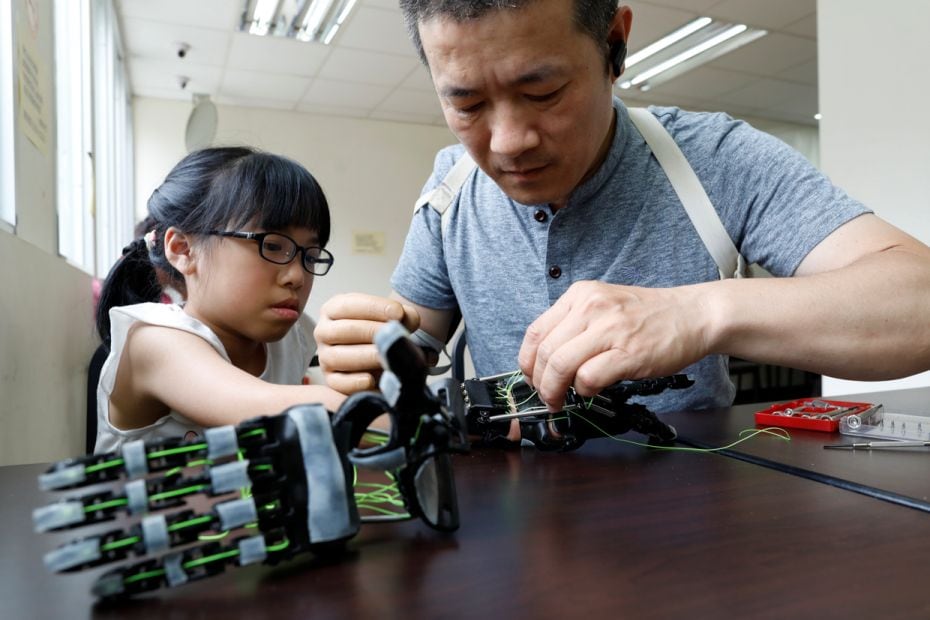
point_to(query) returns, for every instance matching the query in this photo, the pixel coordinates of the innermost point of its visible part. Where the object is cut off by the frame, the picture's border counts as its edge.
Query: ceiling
(371, 70)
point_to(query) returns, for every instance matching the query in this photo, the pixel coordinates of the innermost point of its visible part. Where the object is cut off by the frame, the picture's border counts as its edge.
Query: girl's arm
(164, 369)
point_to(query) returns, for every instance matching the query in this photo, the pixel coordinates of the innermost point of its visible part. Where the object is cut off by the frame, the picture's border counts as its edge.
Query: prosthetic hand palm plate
(280, 485)
(492, 402)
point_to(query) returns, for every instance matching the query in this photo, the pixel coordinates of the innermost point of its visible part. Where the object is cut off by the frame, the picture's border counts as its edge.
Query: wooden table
(900, 475)
(608, 531)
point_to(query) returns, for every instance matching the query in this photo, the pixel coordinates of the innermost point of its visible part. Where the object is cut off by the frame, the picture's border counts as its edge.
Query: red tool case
(802, 413)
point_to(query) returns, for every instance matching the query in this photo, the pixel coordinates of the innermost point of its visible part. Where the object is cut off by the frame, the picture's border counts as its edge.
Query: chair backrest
(458, 356)
(93, 378)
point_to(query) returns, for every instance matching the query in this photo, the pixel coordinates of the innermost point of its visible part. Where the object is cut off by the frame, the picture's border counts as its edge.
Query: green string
(176, 492)
(177, 470)
(104, 505)
(146, 575)
(194, 521)
(179, 450)
(116, 544)
(279, 546)
(744, 435)
(223, 555)
(105, 465)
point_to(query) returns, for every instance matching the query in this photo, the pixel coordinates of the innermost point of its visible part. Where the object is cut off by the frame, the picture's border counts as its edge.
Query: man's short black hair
(593, 17)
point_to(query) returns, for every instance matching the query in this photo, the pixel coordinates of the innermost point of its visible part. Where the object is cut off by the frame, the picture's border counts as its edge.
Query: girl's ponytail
(132, 280)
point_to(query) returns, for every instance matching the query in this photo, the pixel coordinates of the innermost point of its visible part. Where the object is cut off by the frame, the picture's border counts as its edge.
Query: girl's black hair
(212, 189)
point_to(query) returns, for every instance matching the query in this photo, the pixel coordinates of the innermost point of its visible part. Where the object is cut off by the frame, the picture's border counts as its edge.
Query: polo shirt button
(555, 271)
(540, 215)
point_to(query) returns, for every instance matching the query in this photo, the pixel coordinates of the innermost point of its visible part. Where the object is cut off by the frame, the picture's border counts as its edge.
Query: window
(7, 137)
(113, 170)
(75, 137)
(94, 118)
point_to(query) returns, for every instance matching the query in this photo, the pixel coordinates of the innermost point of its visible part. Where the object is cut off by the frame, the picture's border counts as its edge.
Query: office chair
(93, 377)
(458, 357)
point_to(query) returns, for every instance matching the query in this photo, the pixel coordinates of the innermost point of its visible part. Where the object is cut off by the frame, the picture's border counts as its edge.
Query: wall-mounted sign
(366, 242)
(33, 93)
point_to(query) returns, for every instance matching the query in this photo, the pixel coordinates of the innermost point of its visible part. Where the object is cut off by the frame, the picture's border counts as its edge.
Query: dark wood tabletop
(899, 475)
(610, 530)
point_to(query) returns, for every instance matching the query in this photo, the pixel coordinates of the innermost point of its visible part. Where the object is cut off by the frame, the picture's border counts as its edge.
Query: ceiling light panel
(304, 20)
(686, 48)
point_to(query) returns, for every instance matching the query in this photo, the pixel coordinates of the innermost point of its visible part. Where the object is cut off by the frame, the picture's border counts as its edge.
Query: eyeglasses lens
(278, 249)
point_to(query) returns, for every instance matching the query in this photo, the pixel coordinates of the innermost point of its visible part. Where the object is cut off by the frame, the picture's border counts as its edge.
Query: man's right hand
(345, 338)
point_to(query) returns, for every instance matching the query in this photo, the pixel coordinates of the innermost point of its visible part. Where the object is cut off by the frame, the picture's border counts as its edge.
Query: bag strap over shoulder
(443, 194)
(704, 217)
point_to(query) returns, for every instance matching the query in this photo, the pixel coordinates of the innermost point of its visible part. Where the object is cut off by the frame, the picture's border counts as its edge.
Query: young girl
(240, 234)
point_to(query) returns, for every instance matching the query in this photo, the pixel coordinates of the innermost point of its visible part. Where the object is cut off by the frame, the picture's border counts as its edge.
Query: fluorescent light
(729, 33)
(667, 40)
(345, 12)
(315, 16)
(818, 116)
(332, 32)
(263, 16)
(305, 20)
(692, 45)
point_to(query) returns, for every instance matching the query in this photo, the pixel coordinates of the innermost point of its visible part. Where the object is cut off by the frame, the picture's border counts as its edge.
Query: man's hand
(345, 335)
(597, 334)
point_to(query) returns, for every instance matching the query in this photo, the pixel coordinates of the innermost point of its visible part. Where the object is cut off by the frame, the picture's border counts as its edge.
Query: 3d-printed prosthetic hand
(492, 402)
(279, 485)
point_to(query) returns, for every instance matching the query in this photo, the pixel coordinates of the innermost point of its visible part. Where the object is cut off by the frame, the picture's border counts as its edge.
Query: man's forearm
(867, 321)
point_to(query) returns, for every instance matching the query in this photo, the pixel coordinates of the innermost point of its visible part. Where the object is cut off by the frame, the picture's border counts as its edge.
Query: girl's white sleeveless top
(287, 361)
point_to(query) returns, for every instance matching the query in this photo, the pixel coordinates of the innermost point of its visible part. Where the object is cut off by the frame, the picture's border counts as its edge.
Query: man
(570, 256)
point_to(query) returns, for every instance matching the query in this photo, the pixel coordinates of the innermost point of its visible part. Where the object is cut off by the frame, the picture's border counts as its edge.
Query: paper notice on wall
(365, 242)
(34, 112)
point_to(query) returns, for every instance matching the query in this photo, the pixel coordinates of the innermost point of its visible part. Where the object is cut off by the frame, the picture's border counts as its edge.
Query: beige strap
(444, 193)
(704, 217)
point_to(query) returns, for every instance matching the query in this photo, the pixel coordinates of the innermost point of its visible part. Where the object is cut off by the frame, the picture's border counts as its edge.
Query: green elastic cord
(744, 435)
(376, 437)
(104, 505)
(116, 544)
(105, 465)
(383, 498)
(142, 576)
(177, 470)
(281, 546)
(195, 521)
(223, 555)
(179, 450)
(197, 488)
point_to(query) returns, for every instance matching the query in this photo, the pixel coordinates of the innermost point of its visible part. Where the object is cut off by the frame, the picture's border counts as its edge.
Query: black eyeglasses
(281, 250)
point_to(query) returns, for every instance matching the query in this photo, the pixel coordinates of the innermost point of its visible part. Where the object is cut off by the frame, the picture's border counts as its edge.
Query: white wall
(46, 330)
(875, 131)
(371, 172)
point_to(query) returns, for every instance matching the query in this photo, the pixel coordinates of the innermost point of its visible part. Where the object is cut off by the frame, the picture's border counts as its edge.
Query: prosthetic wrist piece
(492, 402)
(274, 486)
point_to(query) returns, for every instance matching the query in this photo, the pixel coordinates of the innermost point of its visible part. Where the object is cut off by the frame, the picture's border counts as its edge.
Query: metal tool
(874, 445)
